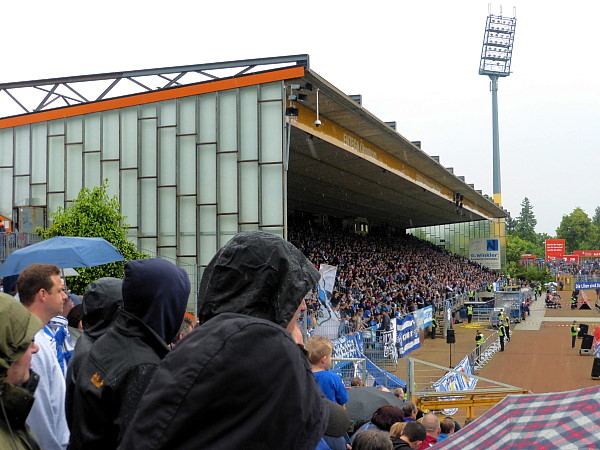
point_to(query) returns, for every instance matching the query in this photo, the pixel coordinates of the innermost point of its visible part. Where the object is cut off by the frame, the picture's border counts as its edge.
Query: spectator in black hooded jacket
(101, 302)
(239, 380)
(120, 364)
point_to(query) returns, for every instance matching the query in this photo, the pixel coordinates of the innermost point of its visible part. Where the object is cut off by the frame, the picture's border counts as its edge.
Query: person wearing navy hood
(239, 380)
(121, 363)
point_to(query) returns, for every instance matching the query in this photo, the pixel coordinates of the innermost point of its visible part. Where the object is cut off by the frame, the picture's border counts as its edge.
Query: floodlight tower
(496, 55)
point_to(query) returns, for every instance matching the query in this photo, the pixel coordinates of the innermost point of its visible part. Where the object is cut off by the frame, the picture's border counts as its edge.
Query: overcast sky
(414, 62)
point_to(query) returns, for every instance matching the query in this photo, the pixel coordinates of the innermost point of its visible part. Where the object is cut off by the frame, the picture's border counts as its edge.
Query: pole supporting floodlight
(496, 55)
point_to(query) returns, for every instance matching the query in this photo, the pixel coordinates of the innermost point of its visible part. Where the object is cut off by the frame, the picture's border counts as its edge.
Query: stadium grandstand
(195, 154)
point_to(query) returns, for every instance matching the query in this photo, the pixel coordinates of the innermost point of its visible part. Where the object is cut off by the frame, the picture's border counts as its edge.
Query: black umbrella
(365, 400)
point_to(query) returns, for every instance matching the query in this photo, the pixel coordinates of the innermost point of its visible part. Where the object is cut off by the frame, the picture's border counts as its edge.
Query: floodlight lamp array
(496, 53)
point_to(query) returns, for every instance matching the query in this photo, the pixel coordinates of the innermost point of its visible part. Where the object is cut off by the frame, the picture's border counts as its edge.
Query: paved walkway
(539, 356)
(538, 315)
(534, 321)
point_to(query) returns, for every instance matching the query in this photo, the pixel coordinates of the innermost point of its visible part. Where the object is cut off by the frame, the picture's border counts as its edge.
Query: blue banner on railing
(456, 382)
(587, 285)
(423, 317)
(407, 335)
(348, 346)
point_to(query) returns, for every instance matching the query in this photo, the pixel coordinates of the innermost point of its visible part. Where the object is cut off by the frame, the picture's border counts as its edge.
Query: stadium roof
(352, 165)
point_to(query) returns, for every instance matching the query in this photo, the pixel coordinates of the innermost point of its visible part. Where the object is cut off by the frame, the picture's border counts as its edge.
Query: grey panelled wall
(454, 237)
(189, 173)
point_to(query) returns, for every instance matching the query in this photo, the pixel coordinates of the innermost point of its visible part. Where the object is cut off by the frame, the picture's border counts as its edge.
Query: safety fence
(424, 378)
(588, 278)
(349, 368)
(381, 348)
(458, 392)
(9, 242)
(480, 356)
(433, 386)
(404, 333)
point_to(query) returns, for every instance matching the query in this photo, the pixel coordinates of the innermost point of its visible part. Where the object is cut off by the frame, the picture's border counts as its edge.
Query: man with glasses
(41, 291)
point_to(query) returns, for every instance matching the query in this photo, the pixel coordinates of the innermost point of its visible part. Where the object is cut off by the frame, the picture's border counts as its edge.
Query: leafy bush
(94, 214)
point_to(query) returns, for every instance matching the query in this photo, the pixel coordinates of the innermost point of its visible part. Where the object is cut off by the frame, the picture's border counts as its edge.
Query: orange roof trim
(151, 97)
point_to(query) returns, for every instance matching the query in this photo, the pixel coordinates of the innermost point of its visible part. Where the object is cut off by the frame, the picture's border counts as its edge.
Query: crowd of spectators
(382, 276)
(141, 371)
(589, 269)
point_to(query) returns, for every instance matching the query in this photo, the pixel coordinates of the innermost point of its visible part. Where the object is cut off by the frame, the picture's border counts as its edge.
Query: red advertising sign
(587, 253)
(570, 258)
(555, 248)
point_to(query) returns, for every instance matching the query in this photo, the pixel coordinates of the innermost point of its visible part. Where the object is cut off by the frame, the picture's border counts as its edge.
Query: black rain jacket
(238, 380)
(120, 364)
(101, 302)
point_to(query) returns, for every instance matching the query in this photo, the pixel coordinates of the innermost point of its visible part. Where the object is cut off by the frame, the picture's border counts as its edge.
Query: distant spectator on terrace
(356, 382)
(372, 440)
(432, 430)
(410, 411)
(413, 433)
(447, 428)
(382, 420)
(378, 274)
(399, 392)
(319, 351)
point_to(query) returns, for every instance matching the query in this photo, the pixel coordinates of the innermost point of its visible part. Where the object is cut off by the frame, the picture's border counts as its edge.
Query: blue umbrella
(63, 251)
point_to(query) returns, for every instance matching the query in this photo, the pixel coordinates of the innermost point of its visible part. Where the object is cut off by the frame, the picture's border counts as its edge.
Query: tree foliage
(541, 237)
(94, 214)
(596, 218)
(522, 239)
(515, 247)
(521, 235)
(533, 273)
(526, 222)
(578, 230)
(510, 225)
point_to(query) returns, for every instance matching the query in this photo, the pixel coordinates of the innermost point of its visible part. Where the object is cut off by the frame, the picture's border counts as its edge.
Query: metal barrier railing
(376, 343)
(468, 393)
(349, 368)
(480, 356)
(9, 242)
(586, 278)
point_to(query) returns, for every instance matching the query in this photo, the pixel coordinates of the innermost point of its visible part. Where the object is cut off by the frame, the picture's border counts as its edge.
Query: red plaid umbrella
(561, 420)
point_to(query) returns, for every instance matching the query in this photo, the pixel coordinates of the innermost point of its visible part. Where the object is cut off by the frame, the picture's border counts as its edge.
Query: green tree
(540, 247)
(540, 274)
(578, 231)
(526, 222)
(510, 225)
(533, 272)
(515, 247)
(596, 221)
(94, 214)
(541, 237)
(596, 218)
